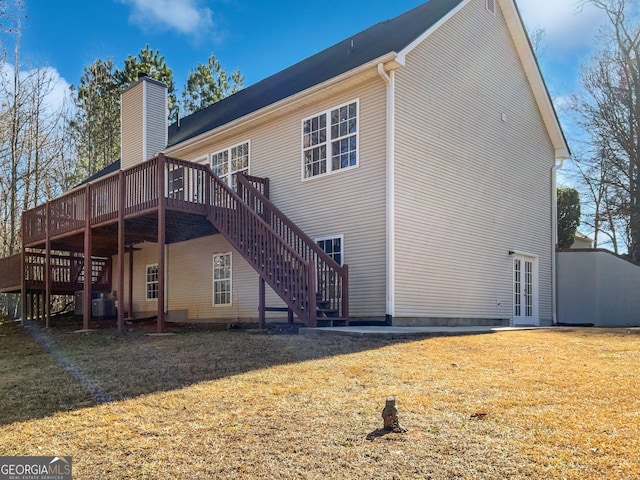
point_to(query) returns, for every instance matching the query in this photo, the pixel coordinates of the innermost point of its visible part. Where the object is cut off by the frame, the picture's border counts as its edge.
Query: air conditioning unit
(78, 300)
(103, 308)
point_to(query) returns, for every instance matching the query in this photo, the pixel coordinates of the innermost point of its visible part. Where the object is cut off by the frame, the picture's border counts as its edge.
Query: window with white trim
(175, 187)
(152, 282)
(491, 6)
(231, 161)
(222, 279)
(333, 247)
(330, 141)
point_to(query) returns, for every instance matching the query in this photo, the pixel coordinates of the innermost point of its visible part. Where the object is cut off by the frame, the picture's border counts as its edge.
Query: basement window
(222, 279)
(152, 282)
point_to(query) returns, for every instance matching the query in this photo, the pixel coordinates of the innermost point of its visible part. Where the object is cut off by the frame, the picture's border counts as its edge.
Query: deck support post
(47, 266)
(290, 316)
(161, 240)
(345, 293)
(23, 277)
(261, 303)
(88, 267)
(38, 309)
(130, 298)
(121, 207)
(313, 310)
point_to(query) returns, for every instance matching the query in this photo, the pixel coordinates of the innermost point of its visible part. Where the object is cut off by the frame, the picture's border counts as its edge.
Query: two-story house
(420, 152)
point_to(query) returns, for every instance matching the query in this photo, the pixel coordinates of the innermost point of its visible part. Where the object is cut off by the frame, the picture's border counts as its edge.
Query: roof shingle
(374, 42)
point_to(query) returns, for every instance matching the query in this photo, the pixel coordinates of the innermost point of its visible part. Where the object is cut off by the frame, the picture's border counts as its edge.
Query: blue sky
(259, 37)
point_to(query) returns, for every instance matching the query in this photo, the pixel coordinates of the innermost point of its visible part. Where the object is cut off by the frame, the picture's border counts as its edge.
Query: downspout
(389, 80)
(554, 237)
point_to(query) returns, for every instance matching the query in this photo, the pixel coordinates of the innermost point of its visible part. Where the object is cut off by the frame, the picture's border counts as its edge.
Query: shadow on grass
(45, 371)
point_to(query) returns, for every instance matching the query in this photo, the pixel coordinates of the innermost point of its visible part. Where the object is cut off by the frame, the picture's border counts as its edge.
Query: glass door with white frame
(525, 290)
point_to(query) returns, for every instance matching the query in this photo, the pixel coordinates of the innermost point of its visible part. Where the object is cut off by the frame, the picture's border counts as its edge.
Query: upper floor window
(231, 161)
(330, 140)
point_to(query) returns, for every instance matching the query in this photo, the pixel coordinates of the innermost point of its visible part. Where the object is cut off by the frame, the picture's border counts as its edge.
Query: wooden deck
(166, 200)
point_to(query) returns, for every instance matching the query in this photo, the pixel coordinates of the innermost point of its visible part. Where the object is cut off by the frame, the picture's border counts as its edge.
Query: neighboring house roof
(389, 36)
(582, 241)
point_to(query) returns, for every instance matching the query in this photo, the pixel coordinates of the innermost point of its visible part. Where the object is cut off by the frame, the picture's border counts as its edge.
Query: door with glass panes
(525, 290)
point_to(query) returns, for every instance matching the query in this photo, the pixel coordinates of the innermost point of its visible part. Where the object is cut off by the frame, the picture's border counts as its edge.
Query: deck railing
(291, 276)
(141, 187)
(67, 272)
(10, 271)
(332, 278)
(104, 195)
(67, 213)
(186, 185)
(33, 222)
(288, 260)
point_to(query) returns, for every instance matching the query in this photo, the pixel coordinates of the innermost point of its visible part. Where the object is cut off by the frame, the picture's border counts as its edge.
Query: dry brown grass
(559, 404)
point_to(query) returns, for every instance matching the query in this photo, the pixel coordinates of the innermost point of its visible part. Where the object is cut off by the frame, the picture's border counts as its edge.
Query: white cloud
(184, 16)
(59, 90)
(56, 88)
(568, 28)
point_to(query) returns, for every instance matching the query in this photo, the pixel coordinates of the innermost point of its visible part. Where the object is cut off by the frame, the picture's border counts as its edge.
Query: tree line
(608, 110)
(48, 147)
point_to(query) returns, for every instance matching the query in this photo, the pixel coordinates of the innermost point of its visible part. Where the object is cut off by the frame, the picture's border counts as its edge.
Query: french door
(525, 290)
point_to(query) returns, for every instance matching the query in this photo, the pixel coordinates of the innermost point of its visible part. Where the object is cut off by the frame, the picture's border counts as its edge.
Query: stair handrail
(298, 296)
(320, 257)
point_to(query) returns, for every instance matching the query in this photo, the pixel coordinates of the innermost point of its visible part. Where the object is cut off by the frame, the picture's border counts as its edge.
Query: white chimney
(143, 121)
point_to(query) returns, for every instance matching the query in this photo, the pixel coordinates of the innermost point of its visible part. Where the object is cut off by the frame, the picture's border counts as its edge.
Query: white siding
(131, 121)
(470, 186)
(351, 203)
(143, 120)
(156, 119)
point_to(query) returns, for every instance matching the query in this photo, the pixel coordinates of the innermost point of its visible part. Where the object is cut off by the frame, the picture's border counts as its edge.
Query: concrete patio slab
(403, 332)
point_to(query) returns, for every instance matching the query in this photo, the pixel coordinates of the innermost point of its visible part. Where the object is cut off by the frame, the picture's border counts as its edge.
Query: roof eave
(406, 50)
(390, 60)
(532, 71)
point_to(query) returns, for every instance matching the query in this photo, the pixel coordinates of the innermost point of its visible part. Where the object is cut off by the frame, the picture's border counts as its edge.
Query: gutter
(389, 80)
(554, 237)
(268, 110)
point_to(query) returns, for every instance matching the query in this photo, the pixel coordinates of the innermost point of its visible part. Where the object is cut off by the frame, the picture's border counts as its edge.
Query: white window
(222, 279)
(175, 187)
(491, 6)
(152, 282)
(333, 246)
(231, 161)
(330, 141)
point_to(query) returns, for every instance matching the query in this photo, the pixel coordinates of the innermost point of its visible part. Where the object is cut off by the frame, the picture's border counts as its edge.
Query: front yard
(558, 403)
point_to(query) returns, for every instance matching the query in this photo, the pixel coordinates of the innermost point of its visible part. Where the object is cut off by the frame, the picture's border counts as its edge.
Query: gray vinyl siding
(349, 203)
(156, 119)
(131, 150)
(470, 187)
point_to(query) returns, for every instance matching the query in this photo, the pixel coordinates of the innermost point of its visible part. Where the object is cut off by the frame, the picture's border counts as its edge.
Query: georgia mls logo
(35, 468)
